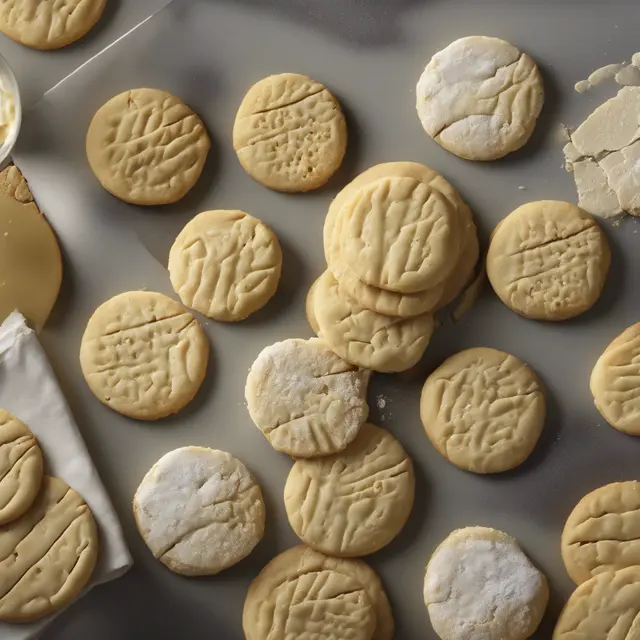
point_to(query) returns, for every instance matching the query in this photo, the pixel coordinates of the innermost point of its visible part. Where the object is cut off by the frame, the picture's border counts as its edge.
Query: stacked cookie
(48, 537)
(400, 244)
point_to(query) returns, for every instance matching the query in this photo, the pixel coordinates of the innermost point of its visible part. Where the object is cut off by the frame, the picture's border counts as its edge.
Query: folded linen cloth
(29, 390)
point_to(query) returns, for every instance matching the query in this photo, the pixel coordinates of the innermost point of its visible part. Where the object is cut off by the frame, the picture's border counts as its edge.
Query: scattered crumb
(603, 73)
(628, 76)
(604, 156)
(381, 402)
(582, 86)
(522, 188)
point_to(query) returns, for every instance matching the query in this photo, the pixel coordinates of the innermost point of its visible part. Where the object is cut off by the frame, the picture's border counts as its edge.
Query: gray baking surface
(370, 54)
(38, 71)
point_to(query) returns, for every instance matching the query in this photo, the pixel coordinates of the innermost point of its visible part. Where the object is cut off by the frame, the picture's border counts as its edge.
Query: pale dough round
(483, 410)
(393, 303)
(479, 585)
(30, 260)
(355, 502)
(603, 531)
(320, 399)
(147, 147)
(548, 260)
(144, 355)
(290, 133)
(365, 338)
(480, 98)
(614, 382)
(304, 595)
(49, 24)
(199, 511)
(225, 264)
(399, 234)
(21, 465)
(48, 555)
(605, 607)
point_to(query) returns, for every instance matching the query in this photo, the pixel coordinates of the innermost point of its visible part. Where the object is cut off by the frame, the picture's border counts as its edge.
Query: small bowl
(9, 85)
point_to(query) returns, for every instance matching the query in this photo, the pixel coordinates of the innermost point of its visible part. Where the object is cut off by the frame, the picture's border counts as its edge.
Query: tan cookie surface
(199, 511)
(49, 24)
(144, 355)
(290, 133)
(480, 98)
(47, 556)
(21, 465)
(548, 260)
(606, 607)
(479, 585)
(366, 338)
(305, 595)
(483, 410)
(399, 234)
(355, 502)
(603, 531)
(147, 147)
(321, 399)
(391, 302)
(225, 264)
(30, 260)
(614, 382)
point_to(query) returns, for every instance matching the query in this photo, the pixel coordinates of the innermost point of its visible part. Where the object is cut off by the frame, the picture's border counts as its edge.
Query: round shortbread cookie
(21, 466)
(391, 302)
(225, 264)
(399, 234)
(480, 98)
(606, 607)
(290, 133)
(48, 555)
(30, 260)
(366, 338)
(355, 502)
(483, 410)
(479, 585)
(49, 24)
(144, 355)
(603, 532)
(305, 595)
(147, 147)
(199, 511)
(321, 400)
(614, 382)
(548, 260)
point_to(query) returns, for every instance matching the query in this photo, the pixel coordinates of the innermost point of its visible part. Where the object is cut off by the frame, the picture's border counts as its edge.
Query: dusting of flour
(199, 509)
(481, 589)
(306, 400)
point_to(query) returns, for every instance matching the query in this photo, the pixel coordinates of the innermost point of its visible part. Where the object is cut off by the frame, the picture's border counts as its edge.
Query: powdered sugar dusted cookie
(199, 511)
(480, 98)
(479, 585)
(305, 399)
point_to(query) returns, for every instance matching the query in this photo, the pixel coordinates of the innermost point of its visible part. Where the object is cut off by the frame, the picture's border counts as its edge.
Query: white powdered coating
(305, 399)
(479, 97)
(199, 510)
(482, 589)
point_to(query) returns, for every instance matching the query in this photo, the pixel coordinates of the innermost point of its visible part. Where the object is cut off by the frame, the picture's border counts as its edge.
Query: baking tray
(371, 55)
(38, 71)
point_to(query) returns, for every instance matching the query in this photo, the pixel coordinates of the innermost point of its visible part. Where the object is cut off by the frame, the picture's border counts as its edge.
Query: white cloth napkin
(29, 390)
